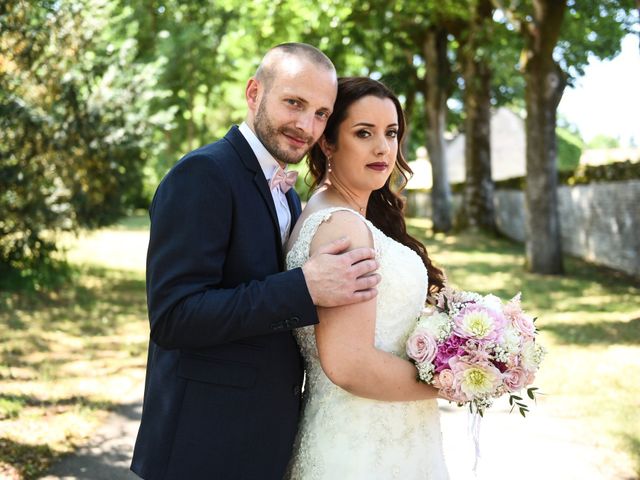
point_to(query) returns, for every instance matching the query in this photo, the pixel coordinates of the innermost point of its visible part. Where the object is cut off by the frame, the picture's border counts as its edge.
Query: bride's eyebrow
(371, 125)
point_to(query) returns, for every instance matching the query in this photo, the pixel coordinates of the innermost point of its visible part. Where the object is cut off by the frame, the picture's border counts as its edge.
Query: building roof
(508, 152)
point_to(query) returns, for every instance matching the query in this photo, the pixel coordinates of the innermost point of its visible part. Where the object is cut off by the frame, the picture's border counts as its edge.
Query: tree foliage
(73, 121)
(99, 98)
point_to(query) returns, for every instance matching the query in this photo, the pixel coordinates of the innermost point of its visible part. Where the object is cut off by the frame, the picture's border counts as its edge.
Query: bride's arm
(345, 336)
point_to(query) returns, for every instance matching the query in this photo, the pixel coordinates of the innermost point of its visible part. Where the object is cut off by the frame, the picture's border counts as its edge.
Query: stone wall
(600, 222)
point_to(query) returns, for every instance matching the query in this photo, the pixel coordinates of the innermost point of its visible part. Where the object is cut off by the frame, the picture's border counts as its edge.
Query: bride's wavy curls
(385, 207)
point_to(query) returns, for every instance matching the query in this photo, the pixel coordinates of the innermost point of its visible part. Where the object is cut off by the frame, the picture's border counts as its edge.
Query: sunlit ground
(65, 360)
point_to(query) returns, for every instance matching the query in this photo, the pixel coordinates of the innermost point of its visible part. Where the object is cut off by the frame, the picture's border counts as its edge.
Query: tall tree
(475, 35)
(436, 92)
(72, 124)
(551, 56)
(545, 83)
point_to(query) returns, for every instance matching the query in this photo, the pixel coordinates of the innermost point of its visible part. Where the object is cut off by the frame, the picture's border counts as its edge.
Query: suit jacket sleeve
(189, 306)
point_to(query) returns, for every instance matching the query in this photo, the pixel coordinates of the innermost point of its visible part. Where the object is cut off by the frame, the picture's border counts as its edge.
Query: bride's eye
(392, 133)
(363, 133)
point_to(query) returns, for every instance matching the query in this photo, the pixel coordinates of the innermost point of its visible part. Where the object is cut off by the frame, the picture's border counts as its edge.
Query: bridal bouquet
(474, 349)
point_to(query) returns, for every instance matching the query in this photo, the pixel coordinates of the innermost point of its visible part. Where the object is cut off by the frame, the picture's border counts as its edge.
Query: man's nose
(304, 122)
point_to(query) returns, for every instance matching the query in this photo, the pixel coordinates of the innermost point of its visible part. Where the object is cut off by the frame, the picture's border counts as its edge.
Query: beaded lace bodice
(344, 436)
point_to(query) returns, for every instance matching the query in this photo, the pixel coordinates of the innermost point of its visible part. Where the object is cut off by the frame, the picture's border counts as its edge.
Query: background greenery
(99, 98)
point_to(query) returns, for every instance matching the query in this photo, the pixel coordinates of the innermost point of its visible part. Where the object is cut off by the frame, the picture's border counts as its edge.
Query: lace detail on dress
(299, 253)
(344, 436)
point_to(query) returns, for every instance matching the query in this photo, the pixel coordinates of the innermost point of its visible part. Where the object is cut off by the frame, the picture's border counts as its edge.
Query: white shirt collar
(266, 160)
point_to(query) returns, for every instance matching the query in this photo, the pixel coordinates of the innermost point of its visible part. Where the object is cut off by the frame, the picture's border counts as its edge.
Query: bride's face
(365, 152)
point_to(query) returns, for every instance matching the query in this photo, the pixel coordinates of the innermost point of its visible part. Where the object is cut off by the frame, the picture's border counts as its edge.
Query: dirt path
(108, 455)
(532, 448)
(538, 447)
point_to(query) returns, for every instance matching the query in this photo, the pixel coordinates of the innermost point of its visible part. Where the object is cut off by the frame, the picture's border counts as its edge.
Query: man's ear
(251, 93)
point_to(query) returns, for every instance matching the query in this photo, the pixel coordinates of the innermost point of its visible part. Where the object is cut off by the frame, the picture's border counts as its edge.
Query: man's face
(293, 112)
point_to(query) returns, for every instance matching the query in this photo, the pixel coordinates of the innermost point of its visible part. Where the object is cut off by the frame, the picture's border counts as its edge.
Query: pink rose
(444, 382)
(524, 324)
(530, 377)
(444, 379)
(453, 395)
(515, 378)
(422, 347)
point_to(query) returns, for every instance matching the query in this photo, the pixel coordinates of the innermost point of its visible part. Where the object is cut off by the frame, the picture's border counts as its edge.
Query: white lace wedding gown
(342, 436)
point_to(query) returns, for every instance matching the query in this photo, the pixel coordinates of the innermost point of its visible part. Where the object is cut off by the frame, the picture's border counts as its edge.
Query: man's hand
(336, 277)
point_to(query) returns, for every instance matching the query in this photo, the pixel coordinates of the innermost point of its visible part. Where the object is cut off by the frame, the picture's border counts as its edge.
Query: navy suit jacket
(222, 390)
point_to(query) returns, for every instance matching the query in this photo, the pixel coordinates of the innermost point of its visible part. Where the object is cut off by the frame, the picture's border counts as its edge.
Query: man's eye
(293, 102)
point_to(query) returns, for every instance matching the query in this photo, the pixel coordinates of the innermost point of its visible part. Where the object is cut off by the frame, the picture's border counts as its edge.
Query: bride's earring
(329, 164)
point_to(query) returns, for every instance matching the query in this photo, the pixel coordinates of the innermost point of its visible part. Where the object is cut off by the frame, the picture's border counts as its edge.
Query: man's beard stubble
(267, 133)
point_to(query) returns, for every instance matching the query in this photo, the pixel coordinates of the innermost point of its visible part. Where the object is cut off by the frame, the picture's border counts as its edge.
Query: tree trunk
(409, 105)
(478, 209)
(478, 189)
(545, 83)
(436, 82)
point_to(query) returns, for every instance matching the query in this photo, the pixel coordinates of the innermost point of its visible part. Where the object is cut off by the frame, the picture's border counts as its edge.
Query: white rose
(492, 302)
(510, 339)
(530, 357)
(435, 324)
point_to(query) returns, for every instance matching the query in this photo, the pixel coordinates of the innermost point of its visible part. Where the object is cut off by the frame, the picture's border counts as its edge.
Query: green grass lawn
(68, 356)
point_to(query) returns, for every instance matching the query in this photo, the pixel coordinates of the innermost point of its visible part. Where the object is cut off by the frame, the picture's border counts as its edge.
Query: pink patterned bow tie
(285, 180)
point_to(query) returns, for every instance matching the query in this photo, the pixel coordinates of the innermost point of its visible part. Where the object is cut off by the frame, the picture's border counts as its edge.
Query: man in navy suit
(222, 391)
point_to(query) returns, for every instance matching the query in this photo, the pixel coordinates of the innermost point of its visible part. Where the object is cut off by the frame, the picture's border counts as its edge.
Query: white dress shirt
(269, 165)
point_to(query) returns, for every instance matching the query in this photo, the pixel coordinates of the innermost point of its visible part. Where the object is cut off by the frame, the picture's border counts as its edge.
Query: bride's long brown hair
(385, 207)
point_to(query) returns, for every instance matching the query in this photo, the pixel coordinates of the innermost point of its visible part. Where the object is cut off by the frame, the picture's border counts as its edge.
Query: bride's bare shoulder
(343, 223)
(339, 223)
(314, 204)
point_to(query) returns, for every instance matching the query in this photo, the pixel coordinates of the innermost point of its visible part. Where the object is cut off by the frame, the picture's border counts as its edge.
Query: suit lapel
(261, 184)
(294, 207)
(250, 161)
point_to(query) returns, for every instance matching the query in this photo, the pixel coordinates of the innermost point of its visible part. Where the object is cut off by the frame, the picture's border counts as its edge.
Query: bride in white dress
(365, 416)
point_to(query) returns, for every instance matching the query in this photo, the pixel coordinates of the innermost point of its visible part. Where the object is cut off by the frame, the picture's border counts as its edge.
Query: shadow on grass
(28, 461)
(633, 446)
(488, 264)
(94, 294)
(601, 333)
(16, 402)
(96, 305)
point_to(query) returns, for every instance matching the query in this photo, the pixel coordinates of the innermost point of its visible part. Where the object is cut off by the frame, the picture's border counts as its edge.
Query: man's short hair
(268, 66)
